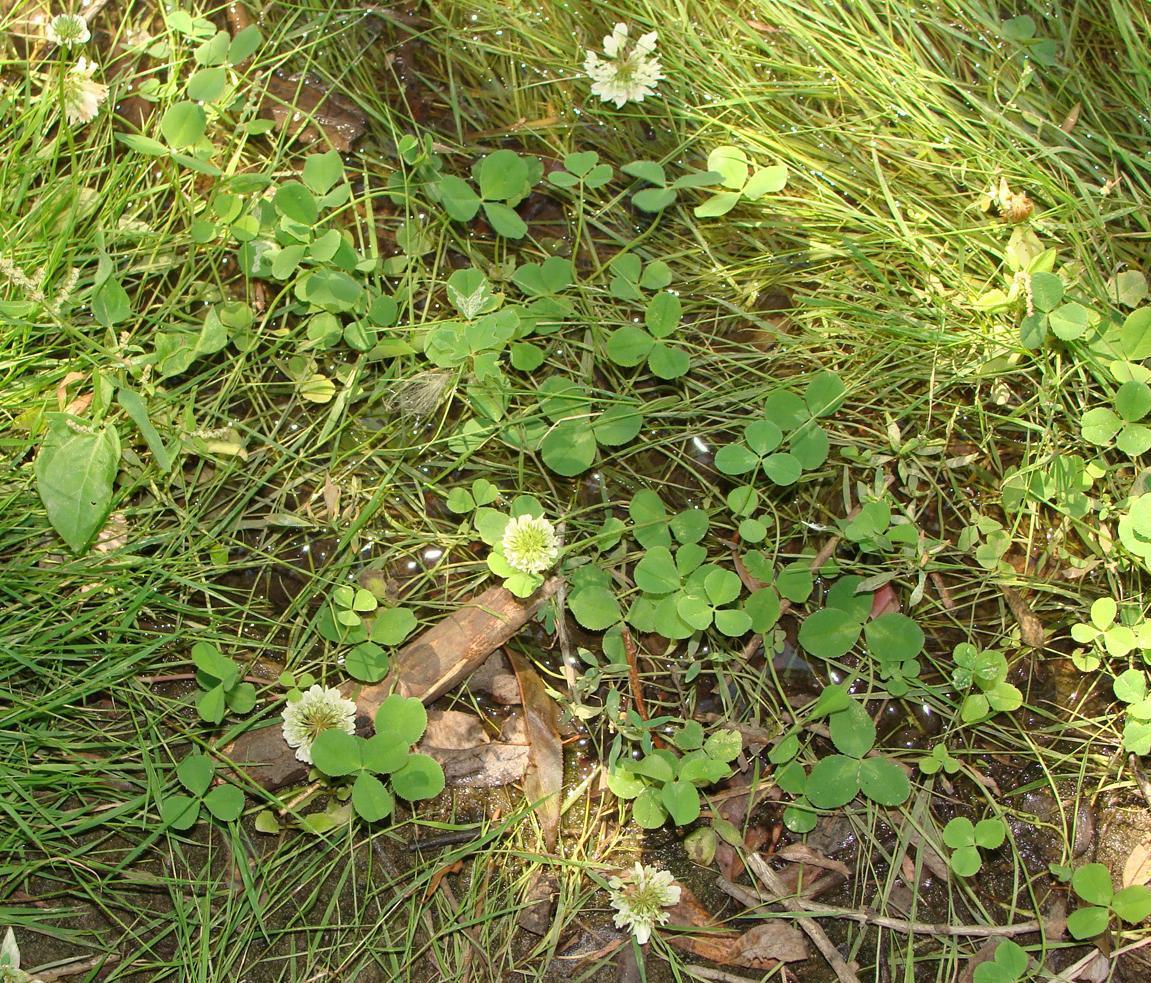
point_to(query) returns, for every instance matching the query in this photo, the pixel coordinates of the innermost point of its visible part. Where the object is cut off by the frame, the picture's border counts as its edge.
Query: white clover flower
(10, 971)
(313, 713)
(640, 900)
(625, 75)
(67, 30)
(529, 544)
(83, 95)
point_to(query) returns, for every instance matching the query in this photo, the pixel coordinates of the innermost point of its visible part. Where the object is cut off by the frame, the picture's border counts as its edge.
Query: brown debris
(425, 668)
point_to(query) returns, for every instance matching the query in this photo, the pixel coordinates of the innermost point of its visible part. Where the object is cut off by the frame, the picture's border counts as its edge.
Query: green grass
(893, 120)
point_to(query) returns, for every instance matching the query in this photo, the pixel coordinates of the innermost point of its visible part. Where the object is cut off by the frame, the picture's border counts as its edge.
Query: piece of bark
(483, 766)
(543, 780)
(425, 668)
(543, 785)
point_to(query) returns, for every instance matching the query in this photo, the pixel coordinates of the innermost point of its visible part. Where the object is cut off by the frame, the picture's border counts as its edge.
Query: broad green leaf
(367, 662)
(225, 802)
(1070, 321)
(195, 773)
(403, 718)
(894, 637)
(569, 449)
(829, 633)
(959, 832)
(990, 833)
(628, 345)
(183, 125)
(242, 698)
(180, 812)
(458, 198)
(1100, 425)
(852, 730)
(766, 181)
(717, 205)
(1086, 923)
(884, 782)
(723, 745)
(1134, 439)
(1133, 400)
(336, 753)
(391, 626)
(207, 84)
(502, 176)
(833, 782)
(244, 44)
(663, 314)
(784, 468)
(764, 609)
(421, 778)
(966, 861)
(1046, 291)
(645, 170)
(762, 436)
(110, 303)
(1135, 335)
(648, 811)
(618, 424)
(1132, 904)
(323, 171)
(681, 800)
(667, 361)
(1092, 882)
(212, 704)
(504, 220)
(295, 201)
(371, 799)
(722, 587)
(656, 572)
(735, 459)
(653, 200)
(731, 164)
(595, 608)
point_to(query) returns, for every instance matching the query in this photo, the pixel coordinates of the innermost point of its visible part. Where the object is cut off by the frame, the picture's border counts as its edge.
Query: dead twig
(843, 972)
(753, 898)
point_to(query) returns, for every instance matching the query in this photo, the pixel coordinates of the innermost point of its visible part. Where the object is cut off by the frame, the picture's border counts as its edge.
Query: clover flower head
(639, 901)
(66, 30)
(628, 72)
(313, 713)
(83, 95)
(10, 971)
(529, 544)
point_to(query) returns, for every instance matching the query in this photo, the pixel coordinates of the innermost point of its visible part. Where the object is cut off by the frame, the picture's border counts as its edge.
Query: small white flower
(83, 95)
(529, 544)
(313, 713)
(640, 900)
(10, 971)
(67, 30)
(625, 76)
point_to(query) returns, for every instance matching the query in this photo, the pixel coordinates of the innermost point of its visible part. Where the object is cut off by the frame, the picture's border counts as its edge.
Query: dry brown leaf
(1137, 869)
(1030, 627)
(537, 916)
(454, 730)
(331, 498)
(800, 853)
(773, 941)
(434, 882)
